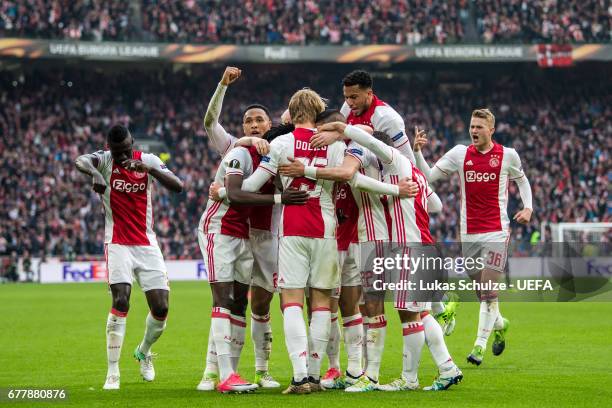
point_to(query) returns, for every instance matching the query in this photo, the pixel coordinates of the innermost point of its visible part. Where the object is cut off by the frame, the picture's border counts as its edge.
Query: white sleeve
(392, 124)
(434, 204)
(268, 166)
(448, 164)
(221, 140)
(236, 161)
(345, 110)
(370, 185)
(105, 159)
(380, 149)
(153, 161)
(515, 173)
(431, 174)
(256, 180)
(357, 151)
(336, 156)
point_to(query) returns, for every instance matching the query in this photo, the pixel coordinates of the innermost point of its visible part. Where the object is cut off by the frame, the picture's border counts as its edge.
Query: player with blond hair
(485, 169)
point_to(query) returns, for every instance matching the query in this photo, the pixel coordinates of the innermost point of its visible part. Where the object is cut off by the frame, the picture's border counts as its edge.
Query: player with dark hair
(262, 236)
(124, 178)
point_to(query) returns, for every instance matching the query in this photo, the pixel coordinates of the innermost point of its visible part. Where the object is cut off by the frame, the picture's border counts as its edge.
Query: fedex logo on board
(84, 272)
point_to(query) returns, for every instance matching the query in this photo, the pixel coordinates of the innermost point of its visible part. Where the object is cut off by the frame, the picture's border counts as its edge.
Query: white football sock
(377, 331)
(261, 332)
(238, 334)
(364, 346)
(488, 314)
(499, 321)
(333, 346)
(414, 338)
(115, 333)
(436, 344)
(154, 329)
(437, 308)
(353, 342)
(319, 337)
(211, 355)
(222, 335)
(296, 339)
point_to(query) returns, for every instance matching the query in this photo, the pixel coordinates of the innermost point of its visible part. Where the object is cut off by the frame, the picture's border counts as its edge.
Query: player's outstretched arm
(435, 173)
(88, 164)
(236, 195)
(221, 140)
(404, 189)
(156, 168)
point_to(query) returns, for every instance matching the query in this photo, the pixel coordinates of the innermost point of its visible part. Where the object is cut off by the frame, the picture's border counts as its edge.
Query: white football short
(145, 263)
(226, 258)
(348, 264)
(492, 247)
(308, 262)
(264, 245)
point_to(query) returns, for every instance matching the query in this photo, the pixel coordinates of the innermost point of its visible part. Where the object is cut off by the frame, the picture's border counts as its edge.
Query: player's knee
(348, 307)
(260, 306)
(121, 302)
(239, 306)
(160, 310)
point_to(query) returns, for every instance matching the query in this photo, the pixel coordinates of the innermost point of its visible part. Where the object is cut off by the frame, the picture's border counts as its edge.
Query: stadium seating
(50, 117)
(339, 22)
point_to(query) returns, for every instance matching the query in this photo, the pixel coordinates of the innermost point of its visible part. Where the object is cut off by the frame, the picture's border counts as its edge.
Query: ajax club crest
(494, 162)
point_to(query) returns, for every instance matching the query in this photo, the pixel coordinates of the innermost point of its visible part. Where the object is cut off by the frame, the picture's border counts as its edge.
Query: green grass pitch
(52, 336)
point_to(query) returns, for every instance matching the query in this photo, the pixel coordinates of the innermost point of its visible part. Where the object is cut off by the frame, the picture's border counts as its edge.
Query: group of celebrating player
(290, 209)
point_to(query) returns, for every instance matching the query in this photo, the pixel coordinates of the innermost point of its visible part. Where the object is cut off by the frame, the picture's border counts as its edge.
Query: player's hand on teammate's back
(293, 196)
(230, 75)
(293, 169)
(420, 139)
(99, 184)
(213, 191)
(135, 165)
(408, 188)
(523, 216)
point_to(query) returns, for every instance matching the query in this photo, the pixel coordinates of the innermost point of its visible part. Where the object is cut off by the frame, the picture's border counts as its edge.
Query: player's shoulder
(104, 157)
(510, 151)
(237, 151)
(382, 108)
(283, 140)
(458, 150)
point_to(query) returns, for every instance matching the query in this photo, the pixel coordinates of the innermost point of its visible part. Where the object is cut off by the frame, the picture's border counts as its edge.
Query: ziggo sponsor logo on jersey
(121, 185)
(475, 177)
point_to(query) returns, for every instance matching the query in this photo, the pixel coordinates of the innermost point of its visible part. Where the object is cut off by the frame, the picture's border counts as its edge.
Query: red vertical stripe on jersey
(210, 214)
(210, 248)
(420, 212)
(481, 174)
(128, 202)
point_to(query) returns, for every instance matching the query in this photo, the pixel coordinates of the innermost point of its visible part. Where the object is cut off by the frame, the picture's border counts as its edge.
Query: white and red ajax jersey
(372, 225)
(484, 185)
(409, 217)
(128, 200)
(221, 217)
(382, 118)
(317, 218)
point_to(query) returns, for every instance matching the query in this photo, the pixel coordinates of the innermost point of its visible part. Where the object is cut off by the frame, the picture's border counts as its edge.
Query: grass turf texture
(52, 336)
